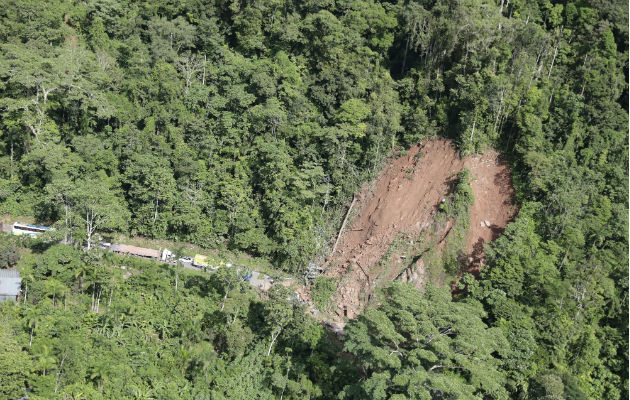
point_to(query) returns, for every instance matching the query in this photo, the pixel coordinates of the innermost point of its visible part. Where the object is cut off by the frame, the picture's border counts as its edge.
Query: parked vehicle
(29, 229)
(136, 251)
(200, 261)
(167, 255)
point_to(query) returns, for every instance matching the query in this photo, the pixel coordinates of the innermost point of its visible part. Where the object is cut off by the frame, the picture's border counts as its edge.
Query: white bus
(29, 229)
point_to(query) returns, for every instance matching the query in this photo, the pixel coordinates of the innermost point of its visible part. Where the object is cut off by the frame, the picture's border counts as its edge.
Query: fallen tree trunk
(343, 225)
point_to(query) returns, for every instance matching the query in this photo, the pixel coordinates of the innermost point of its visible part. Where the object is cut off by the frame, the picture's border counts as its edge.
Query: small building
(10, 284)
(136, 251)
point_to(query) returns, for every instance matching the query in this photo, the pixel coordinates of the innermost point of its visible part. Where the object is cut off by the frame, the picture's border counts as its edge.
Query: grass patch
(409, 173)
(418, 157)
(322, 291)
(458, 203)
(457, 207)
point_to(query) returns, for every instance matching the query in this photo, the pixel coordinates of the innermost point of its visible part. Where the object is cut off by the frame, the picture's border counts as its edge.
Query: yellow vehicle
(200, 261)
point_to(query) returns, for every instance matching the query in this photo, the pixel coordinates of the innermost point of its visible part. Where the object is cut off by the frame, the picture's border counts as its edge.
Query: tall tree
(424, 345)
(99, 206)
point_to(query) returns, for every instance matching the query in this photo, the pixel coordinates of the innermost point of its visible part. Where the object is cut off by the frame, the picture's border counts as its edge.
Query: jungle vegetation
(248, 125)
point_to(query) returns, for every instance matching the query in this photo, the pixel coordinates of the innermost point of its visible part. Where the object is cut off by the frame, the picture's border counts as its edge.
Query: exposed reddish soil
(494, 206)
(404, 201)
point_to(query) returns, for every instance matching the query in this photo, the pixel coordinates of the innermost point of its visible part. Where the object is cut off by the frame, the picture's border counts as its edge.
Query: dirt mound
(402, 204)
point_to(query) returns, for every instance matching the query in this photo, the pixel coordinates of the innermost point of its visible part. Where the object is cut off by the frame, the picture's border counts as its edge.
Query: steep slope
(401, 207)
(494, 203)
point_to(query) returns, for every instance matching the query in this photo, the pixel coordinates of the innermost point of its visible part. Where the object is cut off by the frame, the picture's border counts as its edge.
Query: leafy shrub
(461, 199)
(9, 255)
(322, 290)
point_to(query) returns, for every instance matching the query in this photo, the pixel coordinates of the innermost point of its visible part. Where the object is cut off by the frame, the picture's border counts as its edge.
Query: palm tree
(32, 320)
(45, 360)
(164, 328)
(55, 288)
(204, 356)
(113, 284)
(100, 372)
(185, 356)
(82, 271)
(143, 394)
(27, 276)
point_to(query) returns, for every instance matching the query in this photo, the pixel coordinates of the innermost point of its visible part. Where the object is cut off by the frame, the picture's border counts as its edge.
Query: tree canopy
(248, 126)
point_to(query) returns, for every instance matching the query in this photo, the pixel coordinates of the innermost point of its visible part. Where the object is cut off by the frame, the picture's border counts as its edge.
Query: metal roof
(40, 226)
(138, 251)
(9, 273)
(10, 282)
(46, 228)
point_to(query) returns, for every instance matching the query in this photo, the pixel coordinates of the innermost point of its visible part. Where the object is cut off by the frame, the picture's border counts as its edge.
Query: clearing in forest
(393, 229)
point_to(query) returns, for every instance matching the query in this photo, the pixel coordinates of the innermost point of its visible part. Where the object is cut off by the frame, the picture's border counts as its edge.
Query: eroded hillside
(394, 223)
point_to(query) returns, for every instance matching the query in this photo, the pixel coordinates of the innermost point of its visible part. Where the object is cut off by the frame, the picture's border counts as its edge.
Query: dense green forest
(247, 125)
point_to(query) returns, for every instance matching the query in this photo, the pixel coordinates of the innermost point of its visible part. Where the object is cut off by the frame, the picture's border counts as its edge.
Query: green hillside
(246, 126)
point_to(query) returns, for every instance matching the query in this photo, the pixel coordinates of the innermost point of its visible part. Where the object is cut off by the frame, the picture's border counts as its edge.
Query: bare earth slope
(404, 201)
(494, 203)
